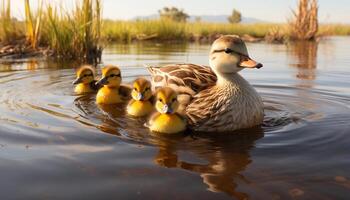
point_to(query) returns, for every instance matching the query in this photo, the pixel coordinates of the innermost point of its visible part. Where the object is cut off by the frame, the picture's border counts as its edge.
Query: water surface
(55, 144)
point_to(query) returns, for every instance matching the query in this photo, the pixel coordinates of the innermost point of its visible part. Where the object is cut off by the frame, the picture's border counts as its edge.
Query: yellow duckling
(112, 91)
(85, 80)
(167, 120)
(141, 104)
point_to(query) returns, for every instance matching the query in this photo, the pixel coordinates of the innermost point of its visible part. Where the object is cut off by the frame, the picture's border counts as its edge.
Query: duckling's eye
(113, 75)
(161, 100)
(147, 89)
(135, 88)
(173, 100)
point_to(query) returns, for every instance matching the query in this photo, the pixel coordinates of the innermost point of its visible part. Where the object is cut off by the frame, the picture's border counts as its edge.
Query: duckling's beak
(247, 62)
(139, 96)
(167, 109)
(77, 80)
(102, 81)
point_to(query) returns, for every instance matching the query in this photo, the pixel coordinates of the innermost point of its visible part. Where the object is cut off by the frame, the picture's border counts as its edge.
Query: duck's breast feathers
(184, 78)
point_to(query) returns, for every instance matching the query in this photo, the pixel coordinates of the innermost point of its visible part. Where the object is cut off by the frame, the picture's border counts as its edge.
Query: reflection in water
(304, 56)
(225, 158)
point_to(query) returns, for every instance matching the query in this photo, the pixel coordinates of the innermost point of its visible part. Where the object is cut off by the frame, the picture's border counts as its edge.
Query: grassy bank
(80, 33)
(58, 32)
(126, 31)
(49, 29)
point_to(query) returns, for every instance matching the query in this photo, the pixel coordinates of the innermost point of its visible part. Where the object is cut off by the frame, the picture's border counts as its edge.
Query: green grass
(78, 33)
(335, 29)
(126, 31)
(74, 34)
(10, 29)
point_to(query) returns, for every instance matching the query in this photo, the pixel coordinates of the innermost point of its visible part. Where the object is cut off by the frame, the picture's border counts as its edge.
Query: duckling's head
(111, 76)
(85, 74)
(166, 100)
(142, 90)
(229, 55)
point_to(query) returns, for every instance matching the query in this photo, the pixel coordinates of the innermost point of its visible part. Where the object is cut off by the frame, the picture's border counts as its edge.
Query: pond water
(55, 145)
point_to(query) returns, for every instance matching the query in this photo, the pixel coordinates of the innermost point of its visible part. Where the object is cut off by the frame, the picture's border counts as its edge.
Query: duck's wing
(125, 91)
(205, 109)
(186, 79)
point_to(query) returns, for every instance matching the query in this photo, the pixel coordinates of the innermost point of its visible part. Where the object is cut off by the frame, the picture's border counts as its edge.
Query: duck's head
(85, 74)
(166, 100)
(229, 55)
(111, 76)
(142, 90)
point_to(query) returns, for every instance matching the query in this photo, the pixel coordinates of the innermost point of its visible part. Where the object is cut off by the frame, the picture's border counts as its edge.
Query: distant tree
(174, 14)
(235, 17)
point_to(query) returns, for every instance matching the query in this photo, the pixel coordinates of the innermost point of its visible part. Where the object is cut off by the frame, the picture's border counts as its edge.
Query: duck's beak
(247, 62)
(102, 81)
(167, 109)
(139, 96)
(77, 80)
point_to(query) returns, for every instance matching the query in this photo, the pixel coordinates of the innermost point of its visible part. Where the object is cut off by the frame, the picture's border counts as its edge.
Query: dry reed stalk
(305, 23)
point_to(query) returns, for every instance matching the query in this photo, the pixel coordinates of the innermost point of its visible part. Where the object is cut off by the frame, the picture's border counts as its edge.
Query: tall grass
(8, 27)
(75, 34)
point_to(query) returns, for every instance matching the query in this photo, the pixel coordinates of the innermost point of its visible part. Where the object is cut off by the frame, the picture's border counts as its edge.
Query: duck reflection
(304, 57)
(225, 157)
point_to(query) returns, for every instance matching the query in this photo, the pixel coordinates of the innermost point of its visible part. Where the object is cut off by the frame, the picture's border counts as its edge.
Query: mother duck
(215, 99)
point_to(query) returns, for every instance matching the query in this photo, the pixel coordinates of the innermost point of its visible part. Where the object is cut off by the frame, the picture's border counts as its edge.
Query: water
(55, 145)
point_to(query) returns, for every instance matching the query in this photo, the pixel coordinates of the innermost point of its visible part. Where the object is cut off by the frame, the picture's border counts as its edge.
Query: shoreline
(20, 50)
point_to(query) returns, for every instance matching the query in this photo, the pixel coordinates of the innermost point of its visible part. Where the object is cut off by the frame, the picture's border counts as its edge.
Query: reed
(304, 26)
(33, 24)
(75, 34)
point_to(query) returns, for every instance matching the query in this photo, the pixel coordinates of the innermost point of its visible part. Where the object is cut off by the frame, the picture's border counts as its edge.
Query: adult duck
(215, 99)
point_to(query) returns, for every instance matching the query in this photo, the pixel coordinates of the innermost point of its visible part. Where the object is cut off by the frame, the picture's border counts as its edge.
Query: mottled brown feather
(186, 79)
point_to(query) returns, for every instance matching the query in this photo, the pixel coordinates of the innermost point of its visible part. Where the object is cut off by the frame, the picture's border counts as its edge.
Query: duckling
(112, 91)
(141, 104)
(85, 80)
(215, 98)
(167, 120)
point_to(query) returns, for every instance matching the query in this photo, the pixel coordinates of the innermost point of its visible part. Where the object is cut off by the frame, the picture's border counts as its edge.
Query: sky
(330, 11)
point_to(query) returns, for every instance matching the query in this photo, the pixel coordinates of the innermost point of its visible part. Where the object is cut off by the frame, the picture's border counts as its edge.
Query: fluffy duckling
(85, 81)
(112, 91)
(141, 104)
(167, 120)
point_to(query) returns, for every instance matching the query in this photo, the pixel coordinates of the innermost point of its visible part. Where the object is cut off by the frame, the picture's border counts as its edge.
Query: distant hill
(208, 18)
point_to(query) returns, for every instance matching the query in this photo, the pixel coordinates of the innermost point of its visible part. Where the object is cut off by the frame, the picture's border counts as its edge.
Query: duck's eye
(161, 100)
(228, 50)
(135, 88)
